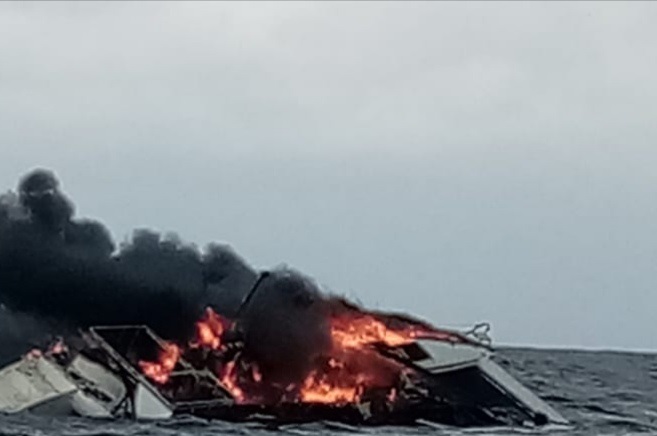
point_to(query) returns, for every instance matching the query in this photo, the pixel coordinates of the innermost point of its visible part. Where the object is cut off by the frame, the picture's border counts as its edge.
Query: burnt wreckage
(378, 369)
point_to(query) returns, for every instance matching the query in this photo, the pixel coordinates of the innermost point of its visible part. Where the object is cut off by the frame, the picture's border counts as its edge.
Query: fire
(229, 381)
(354, 367)
(366, 330)
(352, 371)
(210, 329)
(361, 329)
(161, 371)
(318, 389)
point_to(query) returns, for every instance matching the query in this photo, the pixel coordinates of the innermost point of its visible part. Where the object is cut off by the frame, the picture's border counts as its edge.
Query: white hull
(35, 384)
(445, 358)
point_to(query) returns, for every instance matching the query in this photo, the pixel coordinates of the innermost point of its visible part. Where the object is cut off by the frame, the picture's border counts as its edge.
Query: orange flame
(228, 380)
(318, 389)
(366, 330)
(209, 330)
(353, 367)
(161, 371)
(351, 370)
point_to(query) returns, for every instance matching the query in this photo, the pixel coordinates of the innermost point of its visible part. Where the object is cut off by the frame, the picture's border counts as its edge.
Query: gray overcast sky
(462, 161)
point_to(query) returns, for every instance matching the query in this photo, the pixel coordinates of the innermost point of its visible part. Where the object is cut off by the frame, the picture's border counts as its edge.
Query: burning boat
(174, 331)
(376, 369)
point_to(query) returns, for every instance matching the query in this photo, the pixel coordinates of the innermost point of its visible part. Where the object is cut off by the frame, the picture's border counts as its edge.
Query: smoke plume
(59, 273)
(67, 271)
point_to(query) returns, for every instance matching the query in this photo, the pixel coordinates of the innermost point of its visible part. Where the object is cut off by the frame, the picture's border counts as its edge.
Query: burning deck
(128, 371)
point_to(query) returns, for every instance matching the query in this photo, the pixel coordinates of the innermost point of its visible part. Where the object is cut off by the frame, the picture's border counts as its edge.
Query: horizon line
(583, 348)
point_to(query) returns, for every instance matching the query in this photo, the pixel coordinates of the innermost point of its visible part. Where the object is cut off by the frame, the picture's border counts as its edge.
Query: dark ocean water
(601, 393)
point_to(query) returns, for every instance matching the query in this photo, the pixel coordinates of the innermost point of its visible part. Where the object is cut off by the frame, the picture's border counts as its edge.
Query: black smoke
(61, 270)
(59, 273)
(20, 332)
(285, 325)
